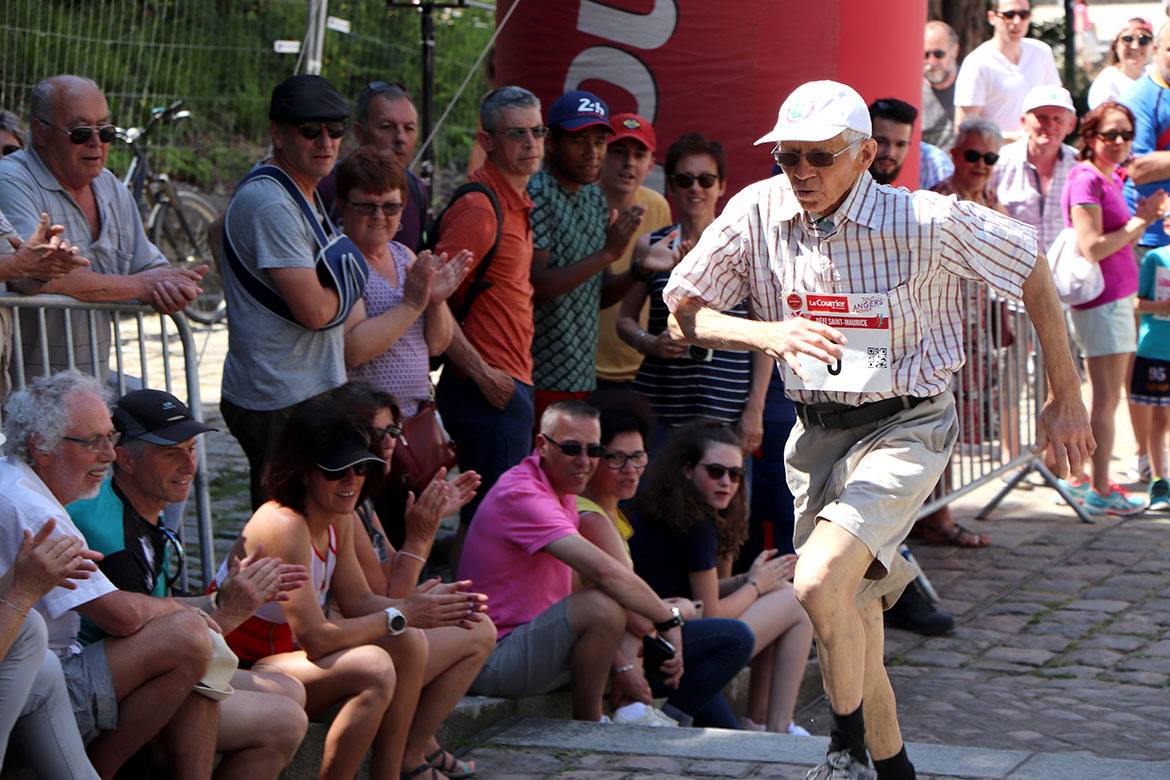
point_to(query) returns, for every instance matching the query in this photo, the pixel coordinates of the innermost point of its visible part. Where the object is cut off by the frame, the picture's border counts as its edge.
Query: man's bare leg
(882, 733)
(599, 622)
(187, 757)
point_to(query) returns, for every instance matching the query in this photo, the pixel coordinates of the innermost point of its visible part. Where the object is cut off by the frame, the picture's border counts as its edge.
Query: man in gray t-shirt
(273, 363)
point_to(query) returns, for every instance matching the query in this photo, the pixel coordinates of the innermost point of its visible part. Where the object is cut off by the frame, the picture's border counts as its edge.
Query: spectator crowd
(621, 433)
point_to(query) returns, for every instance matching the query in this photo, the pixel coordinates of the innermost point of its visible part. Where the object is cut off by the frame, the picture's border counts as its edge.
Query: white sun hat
(818, 111)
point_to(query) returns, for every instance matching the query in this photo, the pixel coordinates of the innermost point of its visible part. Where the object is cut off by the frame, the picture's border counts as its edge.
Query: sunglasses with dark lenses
(393, 430)
(1143, 40)
(9, 149)
(177, 546)
(311, 130)
(80, 135)
(366, 208)
(520, 133)
(618, 460)
(361, 469)
(378, 87)
(1112, 135)
(684, 180)
(1009, 15)
(991, 158)
(815, 159)
(716, 471)
(573, 449)
(938, 54)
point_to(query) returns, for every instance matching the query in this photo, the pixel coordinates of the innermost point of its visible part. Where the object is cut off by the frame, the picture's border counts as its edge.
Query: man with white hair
(854, 285)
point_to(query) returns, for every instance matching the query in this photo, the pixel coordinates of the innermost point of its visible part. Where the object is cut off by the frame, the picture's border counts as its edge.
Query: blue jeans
(772, 518)
(489, 440)
(714, 651)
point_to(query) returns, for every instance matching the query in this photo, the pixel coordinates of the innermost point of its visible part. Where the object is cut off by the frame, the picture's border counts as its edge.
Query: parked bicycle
(175, 220)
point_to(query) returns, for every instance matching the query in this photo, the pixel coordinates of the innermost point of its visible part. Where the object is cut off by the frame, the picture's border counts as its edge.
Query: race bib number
(864, 319)
(1162, 290)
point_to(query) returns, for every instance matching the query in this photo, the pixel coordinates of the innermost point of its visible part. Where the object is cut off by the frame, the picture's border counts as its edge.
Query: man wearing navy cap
(575, 238)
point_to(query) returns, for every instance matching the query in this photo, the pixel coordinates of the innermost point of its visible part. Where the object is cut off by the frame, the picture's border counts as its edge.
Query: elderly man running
(857, 286)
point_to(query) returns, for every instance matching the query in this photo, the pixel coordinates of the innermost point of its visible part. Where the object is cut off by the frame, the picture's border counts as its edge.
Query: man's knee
(829, 569)
(182, 639)
(592, 611)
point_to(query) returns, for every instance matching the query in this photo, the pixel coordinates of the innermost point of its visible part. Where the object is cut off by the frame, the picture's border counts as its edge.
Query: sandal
(452, 767)
(419, 771)
(957, 536)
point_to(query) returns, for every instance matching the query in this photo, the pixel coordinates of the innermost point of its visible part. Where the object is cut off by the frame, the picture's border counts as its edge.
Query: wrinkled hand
(462, 490)
(798, 336)
(666, 345)
(750, 428)
(170, 289)
(434, 604)
(46, 254)
(44, 562)
(416, 287)
(423, 514)
(660, 256)
(1152, 207)
(1063, 426)
(622, 228)
(672, 671)
(449, 274)
(256, 580)
(497, 387)
(628, 687)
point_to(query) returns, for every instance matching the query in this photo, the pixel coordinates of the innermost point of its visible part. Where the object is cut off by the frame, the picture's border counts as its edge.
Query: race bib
(864, 319)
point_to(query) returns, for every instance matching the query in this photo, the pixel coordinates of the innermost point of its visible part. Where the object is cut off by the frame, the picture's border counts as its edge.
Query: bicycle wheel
(187, 246)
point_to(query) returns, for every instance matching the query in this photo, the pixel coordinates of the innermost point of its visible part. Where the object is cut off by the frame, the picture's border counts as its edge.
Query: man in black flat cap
(284, 343)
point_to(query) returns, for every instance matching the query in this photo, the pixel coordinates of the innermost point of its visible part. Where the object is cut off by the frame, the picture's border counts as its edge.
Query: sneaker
(1078, 489)
(1160, 495)
(638, 714)
(914, 612)
(747, 724)
(796, 731)
(1139, 469)
(1118, 503)
(841, 765)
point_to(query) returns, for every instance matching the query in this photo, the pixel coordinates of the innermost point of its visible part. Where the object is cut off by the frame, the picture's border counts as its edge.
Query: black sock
(848, 733)
(896, 767)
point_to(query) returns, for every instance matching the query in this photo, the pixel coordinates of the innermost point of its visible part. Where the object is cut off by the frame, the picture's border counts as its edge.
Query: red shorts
(258, 638)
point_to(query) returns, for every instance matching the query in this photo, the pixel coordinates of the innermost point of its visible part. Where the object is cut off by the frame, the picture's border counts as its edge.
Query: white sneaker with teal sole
(1160, 495)
(1118, 503)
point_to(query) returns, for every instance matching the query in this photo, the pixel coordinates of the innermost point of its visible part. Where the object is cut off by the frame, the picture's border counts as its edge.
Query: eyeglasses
(311, 130)
(970, 155)
(393, 430)
(1112, 135)
(177, 546)
(938, 54)
(573, 449)
(618, 460)
(9, 149)
(716, 471)
(1143, 40)
(1010, 15)
(82, 134)
(815, 159)
(520, 133)
(366, 208)
(684, 180)
(97, 443)
(332, 475)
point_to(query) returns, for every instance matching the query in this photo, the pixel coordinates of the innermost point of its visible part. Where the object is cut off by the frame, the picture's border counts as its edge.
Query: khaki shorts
(871, 480)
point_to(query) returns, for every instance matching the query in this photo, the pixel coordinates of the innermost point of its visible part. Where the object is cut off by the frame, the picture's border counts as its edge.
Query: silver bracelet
(418, 558)
(622, 669)
(757, 587)
(12, 606)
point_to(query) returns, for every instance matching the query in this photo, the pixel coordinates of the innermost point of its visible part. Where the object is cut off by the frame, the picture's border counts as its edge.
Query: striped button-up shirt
(1017, 185)
(916, 247)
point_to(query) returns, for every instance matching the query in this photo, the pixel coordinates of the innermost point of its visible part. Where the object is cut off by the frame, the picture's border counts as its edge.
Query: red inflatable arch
(721, 68)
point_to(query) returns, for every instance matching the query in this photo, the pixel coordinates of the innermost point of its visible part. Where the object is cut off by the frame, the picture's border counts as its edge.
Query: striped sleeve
(978, 243)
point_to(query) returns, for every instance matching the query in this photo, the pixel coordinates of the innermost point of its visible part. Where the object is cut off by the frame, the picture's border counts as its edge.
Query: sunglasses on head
(366, 208)
(573, 449)
(1112, 135)
(1009, 15)
(1143, 40)
(938, 54)
(815, 159)
(360, 469)
(311, 130)
(717, 470)
(378, 87)
(684, 180)
(80, 135)
(9, 149)
(971, 156)
(520, 133)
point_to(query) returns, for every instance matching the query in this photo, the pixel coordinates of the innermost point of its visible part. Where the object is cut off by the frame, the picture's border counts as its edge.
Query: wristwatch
(673, 622)
(636, 271)
(395, 621)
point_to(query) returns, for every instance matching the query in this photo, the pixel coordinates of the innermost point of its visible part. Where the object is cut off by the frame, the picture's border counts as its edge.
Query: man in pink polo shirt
(522, 550)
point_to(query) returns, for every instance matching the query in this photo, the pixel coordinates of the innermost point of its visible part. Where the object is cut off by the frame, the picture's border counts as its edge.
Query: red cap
(633, 126)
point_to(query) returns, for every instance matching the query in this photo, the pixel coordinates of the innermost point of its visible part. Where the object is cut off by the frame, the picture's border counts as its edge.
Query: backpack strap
(414, 184)
(479, 284)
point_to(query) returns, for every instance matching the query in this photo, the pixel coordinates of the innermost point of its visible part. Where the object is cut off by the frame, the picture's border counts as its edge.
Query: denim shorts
(91, 691)
(1108, 329)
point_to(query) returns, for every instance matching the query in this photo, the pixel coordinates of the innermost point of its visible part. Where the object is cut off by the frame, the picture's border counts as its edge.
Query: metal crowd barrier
(140, 355)
(999, 393)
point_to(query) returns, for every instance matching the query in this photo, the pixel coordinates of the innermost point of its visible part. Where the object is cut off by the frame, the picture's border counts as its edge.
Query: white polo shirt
(988, 79)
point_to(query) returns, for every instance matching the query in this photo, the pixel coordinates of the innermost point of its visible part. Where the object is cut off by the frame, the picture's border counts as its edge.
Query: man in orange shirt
(485, 393)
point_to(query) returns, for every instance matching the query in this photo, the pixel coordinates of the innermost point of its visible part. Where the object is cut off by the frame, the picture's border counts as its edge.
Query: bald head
(49, 94)
(58, 105)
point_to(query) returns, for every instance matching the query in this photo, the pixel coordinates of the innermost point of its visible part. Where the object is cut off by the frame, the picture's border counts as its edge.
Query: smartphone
(655, 652)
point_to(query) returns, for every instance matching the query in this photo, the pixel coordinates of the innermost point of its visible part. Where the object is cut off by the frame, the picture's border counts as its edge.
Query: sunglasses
(393, 430)
(1143, 40)
(366, 208)
(684, 180)
(938, 54)
(573, 449)
(331, 475)
(618, 460)
(815, 159)
(97, 443)
(177, 546)
(311, 130)
(378, 87)
(520, 133)
(716, 471)
(9, 149)
(1112, 135)
(80, 135)
(1009, 15)
(991, 158)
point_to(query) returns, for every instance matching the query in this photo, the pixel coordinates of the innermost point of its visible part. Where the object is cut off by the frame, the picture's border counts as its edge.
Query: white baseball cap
(1048, 96)
(818, 111)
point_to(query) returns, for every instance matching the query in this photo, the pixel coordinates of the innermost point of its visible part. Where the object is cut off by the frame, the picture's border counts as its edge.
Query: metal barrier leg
(927, 588)
(1049, 478)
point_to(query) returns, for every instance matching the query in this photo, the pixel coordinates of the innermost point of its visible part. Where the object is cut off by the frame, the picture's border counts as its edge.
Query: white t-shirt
(989, 80)
(1110, 84)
